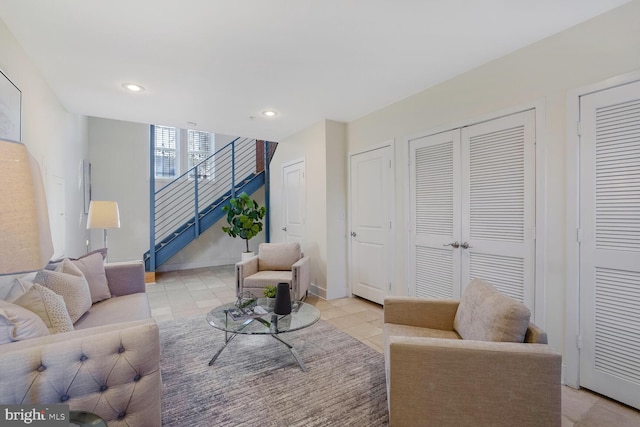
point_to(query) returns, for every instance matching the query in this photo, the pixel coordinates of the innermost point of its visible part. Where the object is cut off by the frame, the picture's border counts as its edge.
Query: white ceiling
(220, 63)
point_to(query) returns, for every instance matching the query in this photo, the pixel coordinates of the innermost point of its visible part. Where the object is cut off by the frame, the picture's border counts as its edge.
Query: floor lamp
(25, 236)
(103, 214)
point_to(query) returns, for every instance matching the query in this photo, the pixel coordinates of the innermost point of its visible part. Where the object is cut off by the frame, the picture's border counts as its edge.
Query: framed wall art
(10, 106)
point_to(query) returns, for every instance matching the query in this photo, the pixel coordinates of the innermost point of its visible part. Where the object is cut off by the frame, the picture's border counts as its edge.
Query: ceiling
(220, 64)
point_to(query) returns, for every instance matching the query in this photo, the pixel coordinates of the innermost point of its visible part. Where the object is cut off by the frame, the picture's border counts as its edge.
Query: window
(199, 149)
(173, 157)
(166, 152)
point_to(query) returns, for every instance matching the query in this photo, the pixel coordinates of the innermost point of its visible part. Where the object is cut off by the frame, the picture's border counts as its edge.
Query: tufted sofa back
(112, 371)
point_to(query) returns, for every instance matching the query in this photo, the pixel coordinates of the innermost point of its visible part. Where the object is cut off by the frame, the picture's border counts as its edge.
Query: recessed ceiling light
(270, 113)
(133, 87)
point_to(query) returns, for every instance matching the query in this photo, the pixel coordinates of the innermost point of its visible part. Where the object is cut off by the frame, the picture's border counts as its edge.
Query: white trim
(388, 143)
(571, 367)
(539, 311)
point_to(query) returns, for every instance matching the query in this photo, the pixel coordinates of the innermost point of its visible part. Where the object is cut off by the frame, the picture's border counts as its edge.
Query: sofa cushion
(69, 282)
(278, 256)
(125, 308)
(485, 314)
(18, 323)
(49, 306)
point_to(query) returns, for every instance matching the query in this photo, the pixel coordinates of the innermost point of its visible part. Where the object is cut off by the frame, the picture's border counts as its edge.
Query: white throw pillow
(19, 287)
(18, 323)
(49, 306)
(69, 282)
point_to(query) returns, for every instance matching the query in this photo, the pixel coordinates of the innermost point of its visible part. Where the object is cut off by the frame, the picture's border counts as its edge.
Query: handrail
(181, 203)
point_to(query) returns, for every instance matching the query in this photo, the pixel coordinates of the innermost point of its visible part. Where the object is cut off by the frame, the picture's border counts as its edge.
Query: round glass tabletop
(259, 318)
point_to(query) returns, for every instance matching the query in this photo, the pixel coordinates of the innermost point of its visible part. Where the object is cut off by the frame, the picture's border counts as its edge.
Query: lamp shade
(103, 214)
(25, 236)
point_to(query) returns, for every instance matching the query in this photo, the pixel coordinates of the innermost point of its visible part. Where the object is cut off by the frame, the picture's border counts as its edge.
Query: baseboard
(317, 291)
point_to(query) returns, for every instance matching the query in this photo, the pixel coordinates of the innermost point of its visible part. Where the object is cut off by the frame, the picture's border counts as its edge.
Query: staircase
(186, 207)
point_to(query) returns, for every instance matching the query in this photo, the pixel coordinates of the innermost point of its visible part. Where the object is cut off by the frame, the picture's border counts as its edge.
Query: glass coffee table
(258, 318)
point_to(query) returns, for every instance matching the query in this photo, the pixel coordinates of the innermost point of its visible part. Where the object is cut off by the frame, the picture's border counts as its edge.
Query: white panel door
(371, 203)
(434, 260)
(293, 190)
(498, 204)
(610, 243)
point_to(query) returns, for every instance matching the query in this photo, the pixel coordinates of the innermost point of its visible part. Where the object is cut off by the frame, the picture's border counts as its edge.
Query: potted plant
(269, 291)
(270, 295)
(244, 216)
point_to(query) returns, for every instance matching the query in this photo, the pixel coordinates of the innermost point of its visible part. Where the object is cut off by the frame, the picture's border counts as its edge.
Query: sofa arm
(245, 269)
(112, 371)
(445, 382)
(301, 277)
(422, 312)
(125, 278)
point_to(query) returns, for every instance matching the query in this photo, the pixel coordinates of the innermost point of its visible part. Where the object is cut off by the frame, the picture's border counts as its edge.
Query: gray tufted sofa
(109, 365)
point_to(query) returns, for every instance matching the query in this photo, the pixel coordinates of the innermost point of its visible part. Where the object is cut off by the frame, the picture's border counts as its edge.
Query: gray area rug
(257, 382)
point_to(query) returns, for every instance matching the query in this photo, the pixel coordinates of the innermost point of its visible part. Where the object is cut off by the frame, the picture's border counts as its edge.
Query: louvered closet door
(610, 244)
(435, 215)
(498, 204)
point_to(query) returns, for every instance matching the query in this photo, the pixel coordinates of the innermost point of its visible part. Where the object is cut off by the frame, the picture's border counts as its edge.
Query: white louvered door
(435, 215)
(472, 195)
(498, 204)
(610, 243)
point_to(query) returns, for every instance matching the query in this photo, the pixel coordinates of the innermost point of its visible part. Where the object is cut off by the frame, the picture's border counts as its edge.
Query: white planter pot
(247, 255)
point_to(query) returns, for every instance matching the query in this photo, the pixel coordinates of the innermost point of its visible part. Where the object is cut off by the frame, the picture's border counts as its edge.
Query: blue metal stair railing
(186, 207)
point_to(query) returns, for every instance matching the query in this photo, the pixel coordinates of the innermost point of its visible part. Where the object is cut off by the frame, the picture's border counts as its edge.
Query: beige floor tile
(332, 313)
(576, 403)
(208, 303)
(368, 315)
(163, 317)
(161, 311)
(378, 340)
(364, 330)
(600, 415)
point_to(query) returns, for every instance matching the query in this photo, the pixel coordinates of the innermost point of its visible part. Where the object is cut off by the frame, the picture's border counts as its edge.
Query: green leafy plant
(269, 291)
(244, 216)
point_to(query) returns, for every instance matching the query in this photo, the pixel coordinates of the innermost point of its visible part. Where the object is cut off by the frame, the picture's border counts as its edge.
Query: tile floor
(185, 293)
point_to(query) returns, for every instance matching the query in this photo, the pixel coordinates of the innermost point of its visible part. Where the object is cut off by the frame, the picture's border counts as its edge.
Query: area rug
(257, 382)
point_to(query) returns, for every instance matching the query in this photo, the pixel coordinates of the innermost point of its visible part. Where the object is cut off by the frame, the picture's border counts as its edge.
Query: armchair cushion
(267, 278)
(278, 256)
(485, 314)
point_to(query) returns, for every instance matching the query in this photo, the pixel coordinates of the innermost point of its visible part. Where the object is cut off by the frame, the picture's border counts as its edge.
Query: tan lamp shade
(103, 214)
(25, 236)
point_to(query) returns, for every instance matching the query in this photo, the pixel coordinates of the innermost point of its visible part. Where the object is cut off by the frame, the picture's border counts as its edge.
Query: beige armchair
(474, 362)
(275, 263)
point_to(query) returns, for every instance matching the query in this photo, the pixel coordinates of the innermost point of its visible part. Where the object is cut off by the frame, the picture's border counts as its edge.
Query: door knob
(284, 228)
(455, 245)
(353, 234)
(465, 245)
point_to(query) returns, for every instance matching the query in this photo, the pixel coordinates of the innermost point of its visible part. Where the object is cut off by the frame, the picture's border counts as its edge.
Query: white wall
(57, 139)
(119, 156)
(542, 74)
(323, 147)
